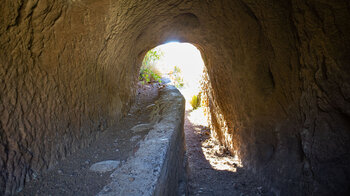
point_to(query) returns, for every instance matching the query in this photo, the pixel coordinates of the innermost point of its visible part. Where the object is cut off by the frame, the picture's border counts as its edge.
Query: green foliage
(196, 101)
(177, 70)
(148, 73)
(177, 78)
(151, 57)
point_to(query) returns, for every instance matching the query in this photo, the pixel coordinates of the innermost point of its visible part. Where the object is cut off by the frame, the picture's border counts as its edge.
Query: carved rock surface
(279, 75)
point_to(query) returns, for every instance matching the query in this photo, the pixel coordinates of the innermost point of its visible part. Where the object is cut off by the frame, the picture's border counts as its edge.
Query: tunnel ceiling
(278, 94)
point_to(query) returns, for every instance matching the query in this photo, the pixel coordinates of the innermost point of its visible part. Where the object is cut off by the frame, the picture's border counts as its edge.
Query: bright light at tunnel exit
(188, 59)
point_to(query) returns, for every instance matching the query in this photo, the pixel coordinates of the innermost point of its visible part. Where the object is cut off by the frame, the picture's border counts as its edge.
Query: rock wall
(285, 106)
(279, 73)
(56, 93)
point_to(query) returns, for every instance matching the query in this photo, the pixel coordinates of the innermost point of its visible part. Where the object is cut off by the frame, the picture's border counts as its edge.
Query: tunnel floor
(72, 175)
(211, 169)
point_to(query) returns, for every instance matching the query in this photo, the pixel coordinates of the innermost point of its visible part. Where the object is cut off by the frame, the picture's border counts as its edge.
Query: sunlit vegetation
(178, 64)
(176, 77)
(148, 72)
(196, 101)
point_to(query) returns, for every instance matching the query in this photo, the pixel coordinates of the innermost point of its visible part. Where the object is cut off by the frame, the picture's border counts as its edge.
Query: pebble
(134, 138)
(105, 166)
(150, 106)
(141, 127)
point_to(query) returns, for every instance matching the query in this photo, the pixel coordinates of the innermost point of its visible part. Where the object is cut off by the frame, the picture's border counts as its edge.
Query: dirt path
(212, 171)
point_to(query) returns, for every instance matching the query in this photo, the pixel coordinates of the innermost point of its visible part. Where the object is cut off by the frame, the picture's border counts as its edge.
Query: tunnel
(278, 97)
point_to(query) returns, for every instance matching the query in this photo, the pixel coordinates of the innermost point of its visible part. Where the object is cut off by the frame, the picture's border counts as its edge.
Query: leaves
(146, 73)
(196, 101)
(151, 57)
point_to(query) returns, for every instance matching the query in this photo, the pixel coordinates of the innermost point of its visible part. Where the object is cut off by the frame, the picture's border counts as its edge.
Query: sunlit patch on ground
(197, 117)
(218, 157)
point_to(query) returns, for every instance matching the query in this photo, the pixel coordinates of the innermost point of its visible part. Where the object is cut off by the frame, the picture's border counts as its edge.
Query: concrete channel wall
(156, 168)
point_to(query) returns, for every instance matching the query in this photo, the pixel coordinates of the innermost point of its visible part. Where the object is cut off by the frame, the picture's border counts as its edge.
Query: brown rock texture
(279, 81)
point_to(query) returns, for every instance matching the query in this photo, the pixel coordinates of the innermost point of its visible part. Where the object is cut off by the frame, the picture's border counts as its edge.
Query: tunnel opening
(178, 64)
(181, 65)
